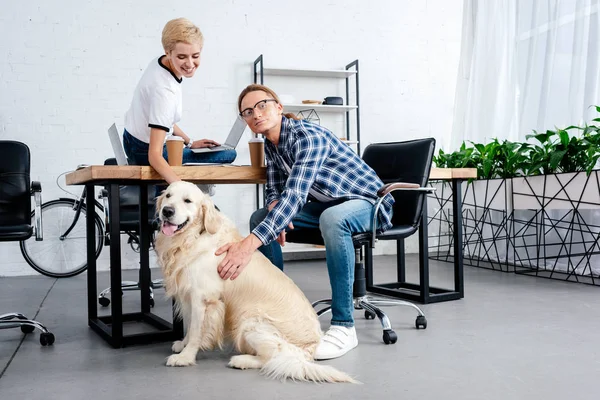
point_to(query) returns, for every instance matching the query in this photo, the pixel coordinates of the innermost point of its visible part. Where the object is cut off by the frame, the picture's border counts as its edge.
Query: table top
(217, 174)
(452, 173)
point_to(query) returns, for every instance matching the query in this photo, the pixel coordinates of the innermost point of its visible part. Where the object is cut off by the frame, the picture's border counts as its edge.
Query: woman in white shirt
(155, 108)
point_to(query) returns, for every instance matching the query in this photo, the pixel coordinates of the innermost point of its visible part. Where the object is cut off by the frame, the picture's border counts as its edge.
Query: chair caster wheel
(369, 314)
(27, 328)
(389, 336)
(152, 303)
(46, 339)
(421, 322)
(104, 301)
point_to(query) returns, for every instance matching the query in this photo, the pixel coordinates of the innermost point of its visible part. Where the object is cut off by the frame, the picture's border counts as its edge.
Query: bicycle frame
(78, 206)
(133, 238)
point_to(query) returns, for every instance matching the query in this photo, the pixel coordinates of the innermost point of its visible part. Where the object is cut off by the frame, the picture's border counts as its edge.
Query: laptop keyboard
(222, 147)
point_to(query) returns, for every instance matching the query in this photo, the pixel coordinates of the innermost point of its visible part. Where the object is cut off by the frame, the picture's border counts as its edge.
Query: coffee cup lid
(256, 140)
(173, 137)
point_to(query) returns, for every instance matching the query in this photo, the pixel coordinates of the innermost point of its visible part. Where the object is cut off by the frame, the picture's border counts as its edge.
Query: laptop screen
(236, 132)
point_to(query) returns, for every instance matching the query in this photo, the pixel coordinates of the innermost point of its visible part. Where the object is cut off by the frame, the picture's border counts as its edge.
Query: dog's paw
(178, 346)
(245, 361)
(180, 360)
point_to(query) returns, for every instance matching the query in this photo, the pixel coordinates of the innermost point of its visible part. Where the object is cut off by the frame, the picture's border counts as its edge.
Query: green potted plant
(552, 170)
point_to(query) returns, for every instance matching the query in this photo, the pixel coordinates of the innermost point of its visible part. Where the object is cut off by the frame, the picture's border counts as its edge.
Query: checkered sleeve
(275, 183)
(311, 152)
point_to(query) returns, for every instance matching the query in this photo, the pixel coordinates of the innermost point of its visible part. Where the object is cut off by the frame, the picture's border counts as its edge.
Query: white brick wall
(71, 66)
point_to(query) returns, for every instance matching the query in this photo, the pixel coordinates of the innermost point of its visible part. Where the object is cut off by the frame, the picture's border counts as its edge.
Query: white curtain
(526, 65)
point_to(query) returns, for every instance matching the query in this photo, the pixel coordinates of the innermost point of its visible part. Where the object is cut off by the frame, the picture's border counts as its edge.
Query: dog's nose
(168, 211)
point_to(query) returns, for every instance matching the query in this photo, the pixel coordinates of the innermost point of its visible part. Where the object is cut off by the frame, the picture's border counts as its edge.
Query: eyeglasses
(261, 105)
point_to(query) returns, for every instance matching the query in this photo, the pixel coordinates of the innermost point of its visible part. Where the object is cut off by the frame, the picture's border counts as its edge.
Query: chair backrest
(115, 142)
(129, 197)
(408, 161)
(15, 183)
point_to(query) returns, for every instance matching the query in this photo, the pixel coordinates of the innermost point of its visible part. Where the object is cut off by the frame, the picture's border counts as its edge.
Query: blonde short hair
(180, 30)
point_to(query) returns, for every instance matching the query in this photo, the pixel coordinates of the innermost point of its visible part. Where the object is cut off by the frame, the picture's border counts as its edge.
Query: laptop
(115, 142)
(235, 134)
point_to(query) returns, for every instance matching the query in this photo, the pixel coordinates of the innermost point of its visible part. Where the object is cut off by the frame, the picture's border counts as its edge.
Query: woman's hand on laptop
(198, 144)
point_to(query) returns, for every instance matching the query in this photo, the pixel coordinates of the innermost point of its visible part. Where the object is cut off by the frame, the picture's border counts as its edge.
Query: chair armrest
(392, 187)
(36, 192)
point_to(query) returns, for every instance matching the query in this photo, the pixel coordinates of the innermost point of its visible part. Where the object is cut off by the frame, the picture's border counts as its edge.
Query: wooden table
(212, 174)
(111, 177)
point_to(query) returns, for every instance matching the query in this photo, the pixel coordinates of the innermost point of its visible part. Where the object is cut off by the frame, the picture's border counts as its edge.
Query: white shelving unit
(349, 73)
(319, 107)
(315, 73)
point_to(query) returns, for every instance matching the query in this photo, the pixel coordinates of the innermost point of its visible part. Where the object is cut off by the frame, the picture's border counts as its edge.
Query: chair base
(17, 320)
(370, 305)
(127, 286)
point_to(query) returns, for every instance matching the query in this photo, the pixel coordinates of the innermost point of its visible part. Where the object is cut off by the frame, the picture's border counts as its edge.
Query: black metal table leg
(90, 229)
(457, 235)
(424, 256)
(400, 261)
(115, 265)
(423, 292)
(111, 327)
(144, 250)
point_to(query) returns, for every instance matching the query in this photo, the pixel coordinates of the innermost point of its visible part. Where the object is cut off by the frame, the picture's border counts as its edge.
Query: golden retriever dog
(262, 312)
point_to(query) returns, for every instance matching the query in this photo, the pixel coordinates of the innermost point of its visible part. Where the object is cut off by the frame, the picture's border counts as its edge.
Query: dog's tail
(291, 362)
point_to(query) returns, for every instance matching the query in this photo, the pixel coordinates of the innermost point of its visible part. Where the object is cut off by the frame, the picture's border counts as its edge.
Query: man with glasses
(314, 180)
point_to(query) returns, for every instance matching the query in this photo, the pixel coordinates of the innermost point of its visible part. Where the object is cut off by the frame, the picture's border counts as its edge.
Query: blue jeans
(337, 222)
(137, 153)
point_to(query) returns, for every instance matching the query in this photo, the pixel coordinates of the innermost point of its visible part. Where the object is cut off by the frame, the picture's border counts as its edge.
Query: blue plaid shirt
(319, 161)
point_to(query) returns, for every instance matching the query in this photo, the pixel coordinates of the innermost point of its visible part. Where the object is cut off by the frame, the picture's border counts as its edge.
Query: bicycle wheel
(57, 256)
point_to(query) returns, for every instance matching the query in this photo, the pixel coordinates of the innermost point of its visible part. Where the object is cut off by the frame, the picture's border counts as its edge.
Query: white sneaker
(336, 342)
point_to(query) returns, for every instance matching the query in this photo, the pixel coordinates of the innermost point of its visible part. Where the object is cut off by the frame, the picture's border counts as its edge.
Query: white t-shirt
(156, 102)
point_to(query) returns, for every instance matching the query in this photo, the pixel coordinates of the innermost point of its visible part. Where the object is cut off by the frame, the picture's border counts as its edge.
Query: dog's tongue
(168, 228)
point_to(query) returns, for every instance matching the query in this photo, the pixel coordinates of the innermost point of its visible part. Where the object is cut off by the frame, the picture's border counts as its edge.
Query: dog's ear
(212, 218)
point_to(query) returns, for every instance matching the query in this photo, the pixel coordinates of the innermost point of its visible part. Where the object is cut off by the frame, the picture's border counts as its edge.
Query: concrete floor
(511, 337)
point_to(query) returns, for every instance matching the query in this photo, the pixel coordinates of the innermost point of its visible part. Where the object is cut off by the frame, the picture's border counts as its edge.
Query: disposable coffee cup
(175, 150)
(257, 152)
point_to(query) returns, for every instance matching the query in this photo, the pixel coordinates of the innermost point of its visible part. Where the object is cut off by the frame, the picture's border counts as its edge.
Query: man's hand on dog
(237, 257)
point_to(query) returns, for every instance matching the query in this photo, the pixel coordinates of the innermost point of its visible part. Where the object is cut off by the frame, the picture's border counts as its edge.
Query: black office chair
(129, 225)
(16, 190)
(404, 169)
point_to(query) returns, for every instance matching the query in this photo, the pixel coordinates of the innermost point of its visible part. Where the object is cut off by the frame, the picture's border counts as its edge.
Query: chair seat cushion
(394, 233)
(15, 232)
(129, 197)
(397, 232)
